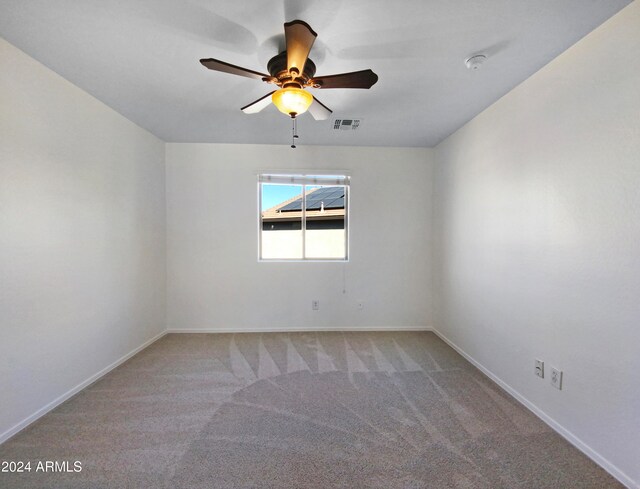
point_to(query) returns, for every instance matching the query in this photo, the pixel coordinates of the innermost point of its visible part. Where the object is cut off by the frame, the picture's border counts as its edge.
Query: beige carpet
(297, 410)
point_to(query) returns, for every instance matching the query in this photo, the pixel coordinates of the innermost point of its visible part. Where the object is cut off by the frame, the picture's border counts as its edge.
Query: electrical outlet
(539, 368)
(556, 378)
(315, 305)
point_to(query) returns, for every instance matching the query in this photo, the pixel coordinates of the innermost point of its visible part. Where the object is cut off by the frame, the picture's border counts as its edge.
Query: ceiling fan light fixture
(292, 101)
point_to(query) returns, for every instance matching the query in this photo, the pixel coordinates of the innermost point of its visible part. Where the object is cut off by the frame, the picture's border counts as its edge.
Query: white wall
(82, 256)
(537, 226)
(216, 282)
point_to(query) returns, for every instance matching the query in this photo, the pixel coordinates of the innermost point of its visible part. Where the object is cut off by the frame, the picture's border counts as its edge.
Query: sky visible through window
(275, 194)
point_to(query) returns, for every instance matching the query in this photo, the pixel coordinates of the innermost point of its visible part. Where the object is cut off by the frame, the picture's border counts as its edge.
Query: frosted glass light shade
(292, 101)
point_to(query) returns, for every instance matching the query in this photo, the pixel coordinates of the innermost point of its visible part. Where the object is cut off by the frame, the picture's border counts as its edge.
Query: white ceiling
(140, 57)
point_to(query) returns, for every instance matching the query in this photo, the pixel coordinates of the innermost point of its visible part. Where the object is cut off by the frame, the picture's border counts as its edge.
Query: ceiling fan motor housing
(277, 67)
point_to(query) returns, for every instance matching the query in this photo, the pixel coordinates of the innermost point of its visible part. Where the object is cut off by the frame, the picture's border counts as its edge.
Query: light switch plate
(539, 368)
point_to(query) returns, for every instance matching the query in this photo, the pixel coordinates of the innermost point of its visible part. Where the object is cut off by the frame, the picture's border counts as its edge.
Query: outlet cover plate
(556, 378)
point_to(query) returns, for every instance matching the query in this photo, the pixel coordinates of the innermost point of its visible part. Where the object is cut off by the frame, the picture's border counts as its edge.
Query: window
(303, 217)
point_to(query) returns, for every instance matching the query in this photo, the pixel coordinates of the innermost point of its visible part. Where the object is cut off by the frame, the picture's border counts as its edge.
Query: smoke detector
(475, 62)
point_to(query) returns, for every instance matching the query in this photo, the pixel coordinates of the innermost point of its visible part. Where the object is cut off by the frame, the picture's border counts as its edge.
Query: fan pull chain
(294, 131)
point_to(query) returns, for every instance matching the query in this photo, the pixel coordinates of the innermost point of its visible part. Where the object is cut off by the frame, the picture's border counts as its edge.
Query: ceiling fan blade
(299, 37)
(217, 65)
(356, 79)
(318, 110)
(257, 105)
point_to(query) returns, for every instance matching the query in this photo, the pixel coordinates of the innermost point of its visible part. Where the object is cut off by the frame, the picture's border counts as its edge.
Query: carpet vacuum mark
(299, 410)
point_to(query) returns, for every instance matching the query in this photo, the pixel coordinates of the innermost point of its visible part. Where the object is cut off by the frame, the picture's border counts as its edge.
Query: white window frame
(333, 178)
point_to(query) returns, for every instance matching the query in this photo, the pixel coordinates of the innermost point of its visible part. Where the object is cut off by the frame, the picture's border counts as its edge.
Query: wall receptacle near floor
(556, 378)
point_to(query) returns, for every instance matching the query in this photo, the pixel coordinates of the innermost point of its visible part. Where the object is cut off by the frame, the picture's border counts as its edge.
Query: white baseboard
(280, 329)
(56, 402)
(557, 427)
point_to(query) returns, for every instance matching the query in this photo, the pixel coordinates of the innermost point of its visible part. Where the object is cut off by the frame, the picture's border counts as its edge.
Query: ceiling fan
(292, 71)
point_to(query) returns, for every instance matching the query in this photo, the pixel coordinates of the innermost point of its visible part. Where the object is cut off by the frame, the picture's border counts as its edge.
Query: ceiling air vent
(346, 124)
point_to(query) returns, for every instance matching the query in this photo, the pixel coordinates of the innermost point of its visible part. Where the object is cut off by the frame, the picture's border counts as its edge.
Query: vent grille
(346, 124)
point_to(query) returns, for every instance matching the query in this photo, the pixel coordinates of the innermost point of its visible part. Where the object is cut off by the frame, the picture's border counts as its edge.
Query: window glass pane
(325, 228)
(287, 199)
(281, 233)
